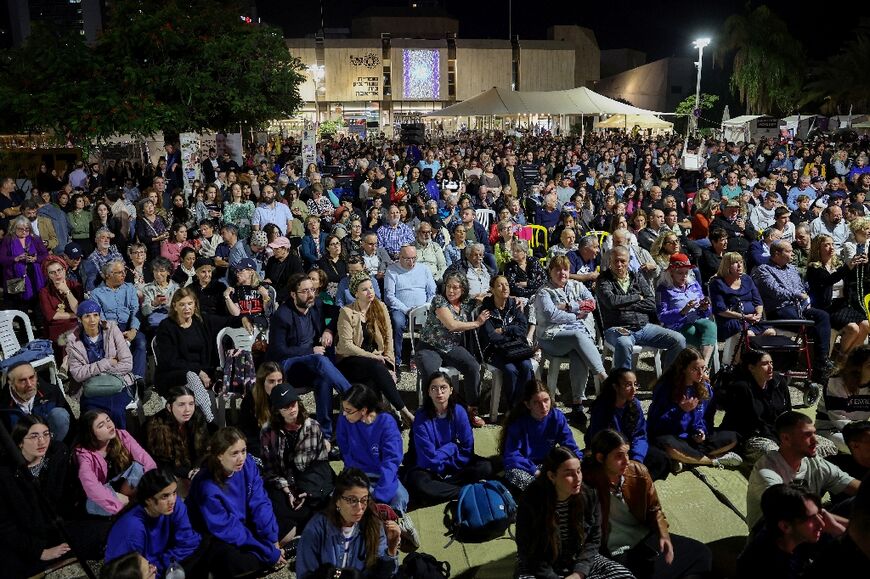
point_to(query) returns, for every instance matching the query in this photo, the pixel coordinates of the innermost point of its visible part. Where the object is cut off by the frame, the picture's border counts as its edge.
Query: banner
(309, 147)
(189, 144)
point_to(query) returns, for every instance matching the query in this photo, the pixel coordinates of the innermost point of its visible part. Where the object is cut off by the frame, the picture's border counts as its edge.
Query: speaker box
(413, 133)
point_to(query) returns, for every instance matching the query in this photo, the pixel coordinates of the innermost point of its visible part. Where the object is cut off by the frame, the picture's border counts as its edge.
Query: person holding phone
(683, 307)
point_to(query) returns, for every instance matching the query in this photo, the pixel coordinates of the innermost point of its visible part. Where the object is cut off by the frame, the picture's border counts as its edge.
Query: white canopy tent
(502, 102)
(631, 121)
(749, 127)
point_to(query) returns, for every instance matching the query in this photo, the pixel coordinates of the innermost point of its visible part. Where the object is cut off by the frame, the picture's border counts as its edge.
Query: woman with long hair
(158, 528)
(680, 417)
(157, 295)
(227, 500)
(530, 430)
(617, 407)
(295, 454)
(180, 213)
(240, 211)
(110, 464)
(255, 411)
(333, 264)
(79, 219)
(638, 538)
(171, 247)
(365, 351)
(441, 455)
(664, 246)
(349, 533)
(59, 300)
(845, 398)
(558, 529)
(177, 436)
(101, 216)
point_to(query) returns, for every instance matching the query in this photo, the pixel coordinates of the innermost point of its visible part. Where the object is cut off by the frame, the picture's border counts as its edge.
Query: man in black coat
(740, 230)
(26, 394)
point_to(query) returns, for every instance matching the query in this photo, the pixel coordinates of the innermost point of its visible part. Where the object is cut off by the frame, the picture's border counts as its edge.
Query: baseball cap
(246, 263)
(280, 242)
(709, 181)
(202, 262)
(73, 250)
(679, 261)
(283, 395)
(732, 203)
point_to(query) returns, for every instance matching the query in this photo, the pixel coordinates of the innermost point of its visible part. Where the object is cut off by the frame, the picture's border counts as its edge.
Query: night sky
(659, 28)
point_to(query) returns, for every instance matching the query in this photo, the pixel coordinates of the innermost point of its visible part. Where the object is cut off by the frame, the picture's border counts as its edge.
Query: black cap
(283, 395)
(202, 262)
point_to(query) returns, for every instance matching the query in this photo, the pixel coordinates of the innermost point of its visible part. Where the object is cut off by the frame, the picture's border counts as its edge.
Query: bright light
(317, 72)
(701, 43)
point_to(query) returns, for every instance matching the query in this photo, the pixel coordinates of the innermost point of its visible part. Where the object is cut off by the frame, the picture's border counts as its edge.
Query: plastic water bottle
(174, 571)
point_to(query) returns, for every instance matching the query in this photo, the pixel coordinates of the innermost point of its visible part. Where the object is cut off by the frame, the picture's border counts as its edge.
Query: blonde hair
(859, 224)
(815, 259)
(729, 259)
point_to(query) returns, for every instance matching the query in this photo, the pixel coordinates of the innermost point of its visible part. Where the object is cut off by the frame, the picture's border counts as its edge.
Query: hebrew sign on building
(353, 74)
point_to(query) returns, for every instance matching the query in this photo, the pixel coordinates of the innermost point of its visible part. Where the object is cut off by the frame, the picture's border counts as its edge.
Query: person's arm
(445, 316)
(185, 541)
(94, 489)
(138, 453)
(345, 345)
(123, 355)
(530, 562)
(390, 458)
(394, 303)
(608, 299)
(516, 449)
(430, 455)
(553, 313)
(260, 506)
(592, 541)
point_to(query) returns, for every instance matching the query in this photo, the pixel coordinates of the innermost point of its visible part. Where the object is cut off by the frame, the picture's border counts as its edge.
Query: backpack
(423, 566)
(483, 511)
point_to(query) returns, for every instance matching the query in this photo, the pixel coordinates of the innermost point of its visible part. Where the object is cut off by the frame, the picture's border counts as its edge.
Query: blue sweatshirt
(666, 416)
(528, 440)
(443, 445)
(161, 539)
(601, 417)
(239, 513)
(375, 449)
(323, 543)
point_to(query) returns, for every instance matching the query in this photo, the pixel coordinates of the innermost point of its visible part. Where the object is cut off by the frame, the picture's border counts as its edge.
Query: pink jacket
(93, 471)
(114, 346)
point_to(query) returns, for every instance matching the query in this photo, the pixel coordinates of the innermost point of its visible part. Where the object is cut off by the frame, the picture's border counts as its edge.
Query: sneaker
(676, 467)
(334, 453)
(410, 536)
(729, 459)
(290, 549)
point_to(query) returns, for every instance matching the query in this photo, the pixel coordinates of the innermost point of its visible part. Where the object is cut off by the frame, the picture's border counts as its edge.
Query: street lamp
(700, 43)
(317, 73)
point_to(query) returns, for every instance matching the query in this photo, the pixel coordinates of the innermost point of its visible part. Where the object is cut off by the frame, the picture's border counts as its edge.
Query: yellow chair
(539, 232)
(601, 235)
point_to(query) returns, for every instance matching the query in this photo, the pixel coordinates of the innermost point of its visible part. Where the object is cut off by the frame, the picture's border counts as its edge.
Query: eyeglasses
(347, 412)
(39, 436)
(355, 501)
(310, 290)
(435, 388)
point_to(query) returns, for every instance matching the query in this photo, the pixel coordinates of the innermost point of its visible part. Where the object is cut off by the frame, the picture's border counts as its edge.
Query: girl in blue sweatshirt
(158, 529)
(227, 500)
(348, 534)
(617, 407)
(530, 431)
(442, 458)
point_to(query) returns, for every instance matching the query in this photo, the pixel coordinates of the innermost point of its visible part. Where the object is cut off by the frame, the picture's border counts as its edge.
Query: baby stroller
(790, 350)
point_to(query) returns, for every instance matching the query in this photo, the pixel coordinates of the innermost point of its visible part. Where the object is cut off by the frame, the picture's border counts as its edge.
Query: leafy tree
(161, 65)
(687, 105)
(838, 83)
(767, 72)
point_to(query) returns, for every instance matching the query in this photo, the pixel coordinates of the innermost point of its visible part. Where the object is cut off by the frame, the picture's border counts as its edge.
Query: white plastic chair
(496, 386)
(416, 319)
(9, 343)
(484, 217)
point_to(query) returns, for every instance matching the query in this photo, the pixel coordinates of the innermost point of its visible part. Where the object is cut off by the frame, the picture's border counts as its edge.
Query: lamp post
(700, 44)
(317, 73)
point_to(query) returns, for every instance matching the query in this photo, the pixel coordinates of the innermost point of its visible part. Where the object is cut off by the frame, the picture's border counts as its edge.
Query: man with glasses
(407, 284)
(375, 258)
(394, 234)
(26, 394)
(301, 342)
(430, 253)
(104, 252)
(119, 302)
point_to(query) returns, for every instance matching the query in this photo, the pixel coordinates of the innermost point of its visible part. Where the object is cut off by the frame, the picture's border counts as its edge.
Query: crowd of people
(509, 250)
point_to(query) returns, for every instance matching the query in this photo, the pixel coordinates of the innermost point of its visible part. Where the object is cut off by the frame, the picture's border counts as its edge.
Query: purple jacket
(10, 249)
(670, 301)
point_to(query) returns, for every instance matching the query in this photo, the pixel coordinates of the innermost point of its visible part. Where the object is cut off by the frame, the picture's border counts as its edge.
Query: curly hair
(167, 440)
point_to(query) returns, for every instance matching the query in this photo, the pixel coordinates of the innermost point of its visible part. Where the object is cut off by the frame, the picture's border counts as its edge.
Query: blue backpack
(483, 511)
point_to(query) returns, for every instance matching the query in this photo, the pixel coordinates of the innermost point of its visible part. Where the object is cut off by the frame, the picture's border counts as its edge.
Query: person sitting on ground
(365, 350)
(796, 460)
(158, 528)
(227, 500)
(846, 398)
(788, 537)
(27, 395)
(110, 464)
(369, 546)
(442, 338)
(627, 304)
(296, 471)
(634, 530)
(177, 436)
(255, 410)
(559, 524)
(100, 361)
(369, 439)
(617, 407)
(530, 430)
(683, 307)
(443, 459)
(679, 420)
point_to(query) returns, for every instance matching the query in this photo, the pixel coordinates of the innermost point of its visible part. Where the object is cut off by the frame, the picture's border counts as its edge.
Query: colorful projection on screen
(422, 74)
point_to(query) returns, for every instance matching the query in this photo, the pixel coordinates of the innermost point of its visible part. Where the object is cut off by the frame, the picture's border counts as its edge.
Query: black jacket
(749, 410)
(630, 309)
(512, 321)
(284, 331)
(738, 239)
(48, 397)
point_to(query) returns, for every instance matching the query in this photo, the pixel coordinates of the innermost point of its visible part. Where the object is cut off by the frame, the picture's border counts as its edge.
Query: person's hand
(158, 301)
(394, 536)
(113, 361)
(297, 501)
(61, 287)
(522, 284)
(688, 403)
(857, 260)
(228, 292)
(667, 549)
(130, 335)
(125, 500)
(206, 381)
(319, 350)
(690, 305)
(481, 319)
(54, 552)
(193, 472)
(499, 330)
(831, 525)
(326, 339)
(264, 293)
(703, 304)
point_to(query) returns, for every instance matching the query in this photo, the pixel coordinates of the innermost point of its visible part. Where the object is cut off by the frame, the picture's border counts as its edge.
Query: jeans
(515, 376)
(138, 347)
(58, 422)
(320, 372)
(399, 502)
(650, 335)
(132, 475)
(583, 353)
(400, 323)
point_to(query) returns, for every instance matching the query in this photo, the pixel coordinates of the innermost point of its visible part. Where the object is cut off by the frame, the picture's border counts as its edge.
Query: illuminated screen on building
(422, 74)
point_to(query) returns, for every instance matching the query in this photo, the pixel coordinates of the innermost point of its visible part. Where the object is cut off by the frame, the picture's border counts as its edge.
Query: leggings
(373, 374)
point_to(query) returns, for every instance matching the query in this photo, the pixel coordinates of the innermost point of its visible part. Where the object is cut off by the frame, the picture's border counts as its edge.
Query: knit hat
(88, 307)
(259, 238)
(203, 262)
(356, 279)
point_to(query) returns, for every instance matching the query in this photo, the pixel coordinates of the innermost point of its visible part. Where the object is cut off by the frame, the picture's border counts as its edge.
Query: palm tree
(767, 61)
(839, 83)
